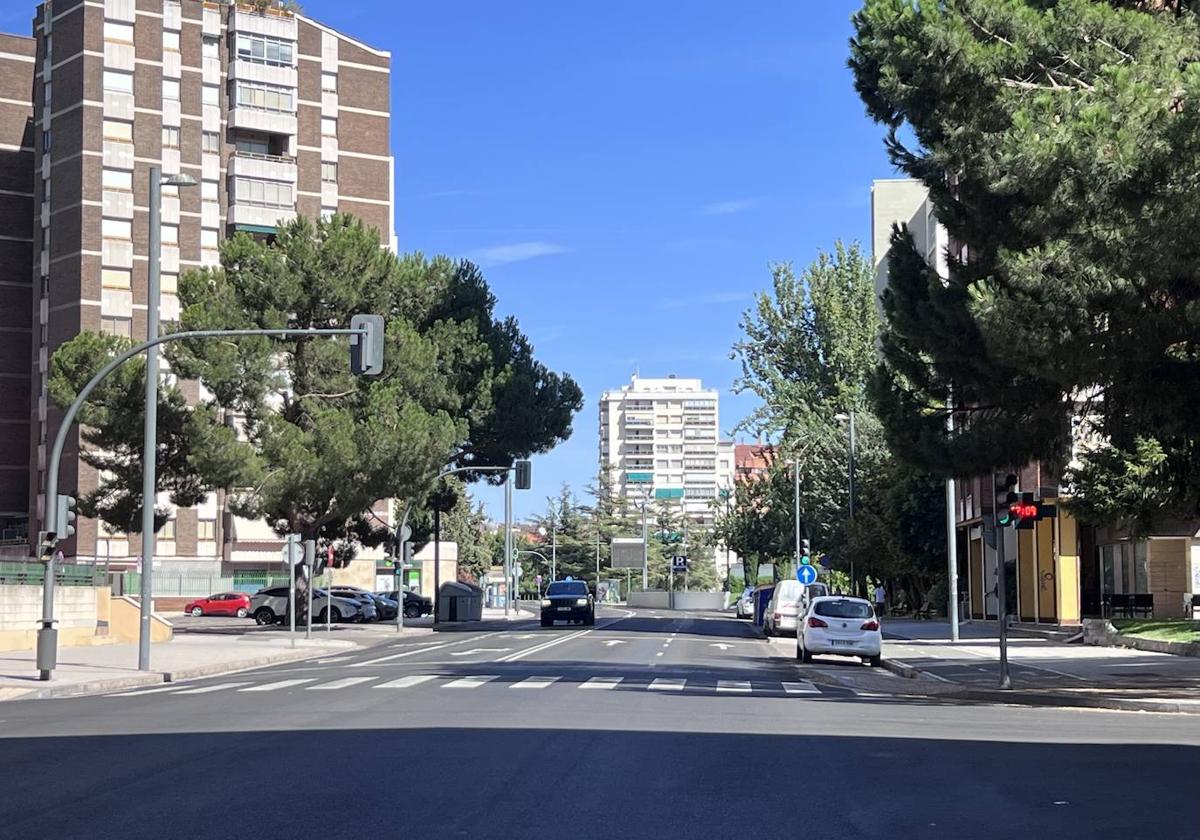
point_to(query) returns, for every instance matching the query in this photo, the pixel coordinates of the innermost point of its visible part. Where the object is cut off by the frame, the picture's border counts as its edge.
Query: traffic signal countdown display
(1018, 509)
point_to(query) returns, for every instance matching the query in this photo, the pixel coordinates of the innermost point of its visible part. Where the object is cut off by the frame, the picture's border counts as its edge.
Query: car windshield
(843, 609)
(567, 587)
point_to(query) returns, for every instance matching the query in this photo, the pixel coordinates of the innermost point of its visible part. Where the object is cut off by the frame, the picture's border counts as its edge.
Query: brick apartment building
(272, 113)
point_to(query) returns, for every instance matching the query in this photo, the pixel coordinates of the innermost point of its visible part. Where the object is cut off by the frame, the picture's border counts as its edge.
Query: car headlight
(581, 602)
(546, 602)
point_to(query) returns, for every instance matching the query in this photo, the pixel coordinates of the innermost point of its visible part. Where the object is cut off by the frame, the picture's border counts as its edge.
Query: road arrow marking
(612, 642)
(721, 645)
(474, 651)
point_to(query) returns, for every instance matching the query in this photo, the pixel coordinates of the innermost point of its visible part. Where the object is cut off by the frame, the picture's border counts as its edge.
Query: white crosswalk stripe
(276, 686)
(205, 689)
(408, 682)
(733, 686)
(158, 690)
(470, 682)
(602, 682)
(536, 682)
(800, 688)
(336, 684)
(667, 685)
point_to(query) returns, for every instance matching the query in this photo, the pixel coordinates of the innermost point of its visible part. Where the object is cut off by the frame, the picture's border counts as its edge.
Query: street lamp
(150, 420)
(848, 418)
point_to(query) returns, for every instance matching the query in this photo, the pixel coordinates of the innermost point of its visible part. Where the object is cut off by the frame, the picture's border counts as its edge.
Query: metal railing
(31, 573)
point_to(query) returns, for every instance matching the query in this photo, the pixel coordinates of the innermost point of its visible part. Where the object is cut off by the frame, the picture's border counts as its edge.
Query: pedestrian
(880, 599)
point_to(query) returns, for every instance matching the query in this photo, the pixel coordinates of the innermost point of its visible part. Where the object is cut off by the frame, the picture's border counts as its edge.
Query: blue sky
(625, 172)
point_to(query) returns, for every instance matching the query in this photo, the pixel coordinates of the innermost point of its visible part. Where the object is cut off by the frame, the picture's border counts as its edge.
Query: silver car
(269, 606)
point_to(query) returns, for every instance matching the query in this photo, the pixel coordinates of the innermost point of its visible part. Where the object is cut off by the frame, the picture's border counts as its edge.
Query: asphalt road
(668, 727)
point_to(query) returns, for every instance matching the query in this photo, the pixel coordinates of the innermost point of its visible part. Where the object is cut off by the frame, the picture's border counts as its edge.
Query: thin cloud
(710, 299)
(728, 208)
(515, 252)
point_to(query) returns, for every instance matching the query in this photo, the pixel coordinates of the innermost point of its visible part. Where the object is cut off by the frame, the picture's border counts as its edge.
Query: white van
(788, 604)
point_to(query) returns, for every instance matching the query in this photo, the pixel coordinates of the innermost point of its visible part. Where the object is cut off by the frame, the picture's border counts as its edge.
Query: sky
(624, 172)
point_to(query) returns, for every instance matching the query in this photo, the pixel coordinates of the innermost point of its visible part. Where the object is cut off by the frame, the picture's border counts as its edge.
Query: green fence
(34, 574)
(168, 585)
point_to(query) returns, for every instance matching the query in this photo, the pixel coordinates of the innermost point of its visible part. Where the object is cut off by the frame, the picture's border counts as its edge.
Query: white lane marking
(474, 651)
(536, 682)
(275, 686)
(602, 682)
(733, 686)
(407, 682)
(521, 654)
(667, 644)
(333, 659)
(336, 684)
(425, 649)
(800, 688)
(660, 653)
(721, 646)
(612, 642)
(667, 685)
(471, 682)
(148, 691)
(207, 688)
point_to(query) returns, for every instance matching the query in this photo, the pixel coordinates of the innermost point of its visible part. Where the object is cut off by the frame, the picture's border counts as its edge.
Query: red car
(224, 603)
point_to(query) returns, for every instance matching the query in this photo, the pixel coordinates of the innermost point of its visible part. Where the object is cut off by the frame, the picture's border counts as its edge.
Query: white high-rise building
(660, 439)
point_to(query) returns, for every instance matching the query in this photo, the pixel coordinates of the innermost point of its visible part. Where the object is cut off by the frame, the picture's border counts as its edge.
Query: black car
(568, 600)
(415, 605)
(385, 608)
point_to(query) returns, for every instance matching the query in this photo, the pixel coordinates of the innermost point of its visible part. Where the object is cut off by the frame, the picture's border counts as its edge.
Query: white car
(269, 606)
(789, 602)
(745, 604)
(843, 626)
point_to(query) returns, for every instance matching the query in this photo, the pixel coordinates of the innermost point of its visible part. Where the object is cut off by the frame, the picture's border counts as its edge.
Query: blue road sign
(806, 575)
(826, 561)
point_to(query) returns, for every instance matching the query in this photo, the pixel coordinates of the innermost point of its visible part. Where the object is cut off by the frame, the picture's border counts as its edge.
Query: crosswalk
(663, 685)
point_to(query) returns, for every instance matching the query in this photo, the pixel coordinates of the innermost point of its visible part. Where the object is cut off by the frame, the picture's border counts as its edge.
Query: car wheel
(197, 611)
(242, 612)
(805, 656)
(875, 661)
(264, 616)
(412, 611)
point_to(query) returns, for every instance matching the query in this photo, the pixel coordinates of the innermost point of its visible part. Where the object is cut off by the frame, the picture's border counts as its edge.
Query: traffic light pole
(1001, 594)
(47, 640)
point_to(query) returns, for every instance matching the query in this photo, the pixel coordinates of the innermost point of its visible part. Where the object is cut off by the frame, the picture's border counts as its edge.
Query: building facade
(273, 114)
(660, 440)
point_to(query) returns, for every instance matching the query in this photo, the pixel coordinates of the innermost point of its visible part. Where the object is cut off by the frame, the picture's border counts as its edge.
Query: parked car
(223, 603)
(843, 626)
(270, 606)
(415, 605)
(568, 600)
(745, 604)
(365, 599)
(788, 603)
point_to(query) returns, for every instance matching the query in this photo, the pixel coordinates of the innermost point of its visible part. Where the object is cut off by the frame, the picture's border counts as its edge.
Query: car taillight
(871, 625)
(813, 621)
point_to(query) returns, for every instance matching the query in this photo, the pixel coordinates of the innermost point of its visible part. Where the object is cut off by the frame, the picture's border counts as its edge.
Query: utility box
(460, 602)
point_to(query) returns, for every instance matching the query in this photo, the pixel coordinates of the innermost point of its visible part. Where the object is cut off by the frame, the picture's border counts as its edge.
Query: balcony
(272, 74)
(259, 119)
(263, 167)
(276, 23)
(257, 218)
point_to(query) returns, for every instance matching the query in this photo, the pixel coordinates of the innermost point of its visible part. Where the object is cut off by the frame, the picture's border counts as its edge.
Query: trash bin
(460, 602)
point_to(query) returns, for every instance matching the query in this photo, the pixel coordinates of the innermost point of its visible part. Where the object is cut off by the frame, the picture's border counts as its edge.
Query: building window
(119, 32)
(46, 97)
(329, 82)
(170, 40)
(328, 127)
(116, 130)
(208, 239)
(118, 82)
(265, 50)
(45, 141)
(116, 229)
(208, 191)
(253, 146)
(329, 173)
(210, 142)
(263, 193)
(206, 530)
(171, 90)
(168, 530)
(170, 137)
(210, 95)
(114, 278)
(116, 179)
(210, 47)
(265, 97)
(170, 234)
(116, 325)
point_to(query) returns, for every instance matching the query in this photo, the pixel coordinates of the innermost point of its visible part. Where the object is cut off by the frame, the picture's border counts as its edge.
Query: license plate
(842, 643)
(564, 609)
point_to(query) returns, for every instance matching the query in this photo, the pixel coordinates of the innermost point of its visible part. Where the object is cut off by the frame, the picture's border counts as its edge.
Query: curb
(1032, 698)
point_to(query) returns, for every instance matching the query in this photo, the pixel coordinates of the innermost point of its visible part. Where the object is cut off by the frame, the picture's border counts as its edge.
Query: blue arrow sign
(806, 575)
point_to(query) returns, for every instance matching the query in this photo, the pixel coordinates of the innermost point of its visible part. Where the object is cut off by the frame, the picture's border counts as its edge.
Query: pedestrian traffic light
(65, 516)
(1006, 496)
(366, 348)
(805, 552)
(524, 474)
(310, 557)
(47, 542)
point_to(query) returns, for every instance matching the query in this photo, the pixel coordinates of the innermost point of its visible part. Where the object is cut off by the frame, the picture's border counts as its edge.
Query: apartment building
(660, 440)
(16, 286)
(273, 114)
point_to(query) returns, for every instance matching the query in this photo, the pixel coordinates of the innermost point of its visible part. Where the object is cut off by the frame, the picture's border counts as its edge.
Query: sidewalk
(1043, 672)
(89, 670)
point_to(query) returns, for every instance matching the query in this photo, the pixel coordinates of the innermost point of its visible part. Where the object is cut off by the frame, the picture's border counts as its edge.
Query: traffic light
(805, 553)
(47, 542)
(1006, 496)
(524, 477)
(65, 517)
(366, 349)
(310, 557)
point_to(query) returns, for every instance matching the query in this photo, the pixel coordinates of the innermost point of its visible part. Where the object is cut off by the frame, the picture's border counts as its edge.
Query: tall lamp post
(150, 421)
(849, 420)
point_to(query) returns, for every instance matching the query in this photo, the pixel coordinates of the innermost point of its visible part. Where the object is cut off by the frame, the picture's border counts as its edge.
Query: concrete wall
(21, 610)
(125, 622)
(699, 600)
(651, 600)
